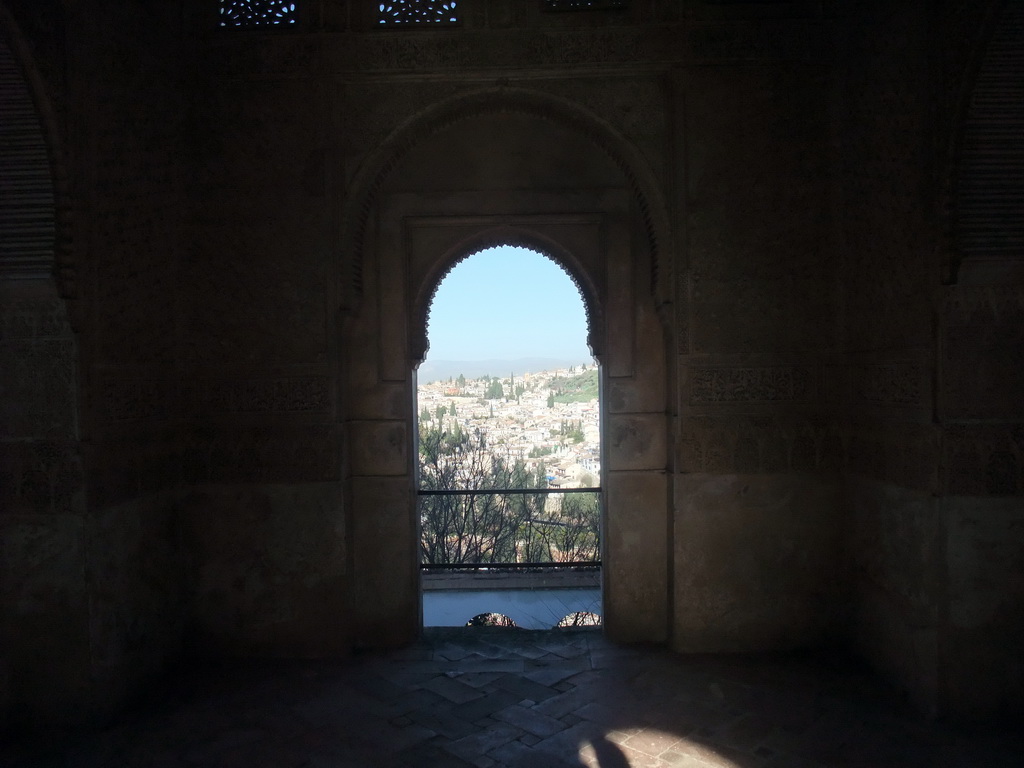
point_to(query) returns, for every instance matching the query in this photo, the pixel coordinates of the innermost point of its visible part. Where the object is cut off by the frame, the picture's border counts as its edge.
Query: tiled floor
(494, 697)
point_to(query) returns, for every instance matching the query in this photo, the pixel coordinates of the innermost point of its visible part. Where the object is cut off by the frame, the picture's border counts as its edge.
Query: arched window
(509, 434)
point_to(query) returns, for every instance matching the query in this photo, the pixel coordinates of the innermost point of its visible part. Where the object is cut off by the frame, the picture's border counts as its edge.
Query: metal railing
(477, 533)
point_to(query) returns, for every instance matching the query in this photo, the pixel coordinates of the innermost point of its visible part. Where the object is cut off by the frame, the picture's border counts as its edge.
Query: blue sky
(507, 303)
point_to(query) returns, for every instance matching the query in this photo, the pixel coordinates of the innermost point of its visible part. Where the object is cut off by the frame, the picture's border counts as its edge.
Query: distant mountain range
(441, 370)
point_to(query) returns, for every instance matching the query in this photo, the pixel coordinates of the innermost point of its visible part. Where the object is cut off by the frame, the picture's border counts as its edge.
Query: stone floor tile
(619, 736)
(482, 664)
(554, 671)
(483, 740)
(745, 732)
(602, 753)
(443, 722)
(569, 741)
(636, 759)
(708, 754)
(517, 755)
(452, 651)
(485, 706)
(525, 688)
(432, 757)
(476, 679)
(604, 712)
(651, 741)
(530, 720)
(452, 689)
(562, 704)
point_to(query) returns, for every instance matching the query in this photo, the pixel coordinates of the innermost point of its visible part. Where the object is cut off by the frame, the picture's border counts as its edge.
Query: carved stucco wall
(933, 384)
(91, 574)
(887, 274)
(44, 618)
(263, 522)
(758, 447)
(980, 379)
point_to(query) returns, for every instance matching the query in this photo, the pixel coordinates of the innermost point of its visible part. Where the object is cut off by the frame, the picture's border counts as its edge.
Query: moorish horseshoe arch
(402, 235)
(379, 164)
(505, 235)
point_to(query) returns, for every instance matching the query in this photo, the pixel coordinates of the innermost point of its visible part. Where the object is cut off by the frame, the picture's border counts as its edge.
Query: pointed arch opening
(508, 438)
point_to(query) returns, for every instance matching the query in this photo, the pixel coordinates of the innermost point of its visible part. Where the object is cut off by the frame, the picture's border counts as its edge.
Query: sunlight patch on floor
(650, 748)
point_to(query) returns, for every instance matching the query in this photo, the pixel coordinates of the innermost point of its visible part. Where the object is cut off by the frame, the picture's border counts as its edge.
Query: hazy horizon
(441, 370)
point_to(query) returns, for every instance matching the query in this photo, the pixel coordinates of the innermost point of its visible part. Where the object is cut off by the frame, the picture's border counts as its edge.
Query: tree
(574, 535)
(461, 380)
(440, 413)
(494, 390)
(480, 524)
(451, 409)
(477, 526)
(425, 414)
(551, 400)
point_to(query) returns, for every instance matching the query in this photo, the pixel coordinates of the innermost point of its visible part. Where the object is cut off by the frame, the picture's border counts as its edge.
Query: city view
(534, 431)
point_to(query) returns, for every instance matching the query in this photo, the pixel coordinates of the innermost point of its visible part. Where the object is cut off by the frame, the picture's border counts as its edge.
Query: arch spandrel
(378, 166)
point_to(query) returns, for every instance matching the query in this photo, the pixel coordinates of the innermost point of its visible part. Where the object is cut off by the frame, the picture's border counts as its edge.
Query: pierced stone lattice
(419, 12)
(258, 13)
(583, 5)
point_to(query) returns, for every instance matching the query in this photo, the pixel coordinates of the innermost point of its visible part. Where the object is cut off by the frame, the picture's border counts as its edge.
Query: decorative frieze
(269, 455)
(983, 460)
(137, 399)
(895, 384)
(291, 394)
(751, 384)
(33, 319)
(41, 476)
(759, 444)
(420, 49)
(158, 398)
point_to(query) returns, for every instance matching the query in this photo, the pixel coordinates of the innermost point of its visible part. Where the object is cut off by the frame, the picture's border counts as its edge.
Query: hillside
(580, 388)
